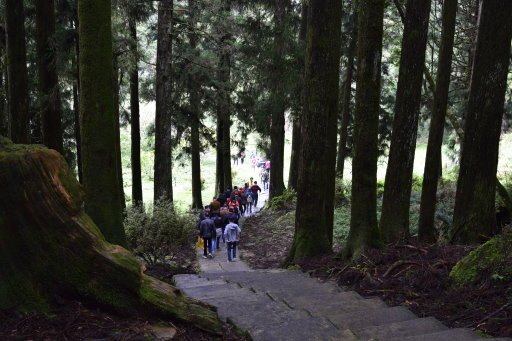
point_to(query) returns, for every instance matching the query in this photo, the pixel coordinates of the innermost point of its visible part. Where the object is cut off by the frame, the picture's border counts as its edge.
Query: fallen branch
(494, 313)
(412, 247)
(402, 271)
(397, 264)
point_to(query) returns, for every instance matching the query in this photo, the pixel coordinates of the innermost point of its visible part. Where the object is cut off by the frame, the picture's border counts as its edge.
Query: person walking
(232, 235)
(254, 189)
(249, 200)
(207, 232)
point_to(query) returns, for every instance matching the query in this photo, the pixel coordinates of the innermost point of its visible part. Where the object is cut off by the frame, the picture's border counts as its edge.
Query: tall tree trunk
(19, 130)
(330, 150)
(117, 114)
(433, 161)
(220, 187)
(3, 94)
(135, 117)
(197, 201)
(364, 232)
(394, 221)
(224, 76)
(296, 135)
(3, 113)
(6, 90)
(295, 156)
(278, 105)
(98, 125)
(320, 112)
(49, 101)
(163, 113)
(474, 215)
(76, 101)
(347, 96)
(195, 116)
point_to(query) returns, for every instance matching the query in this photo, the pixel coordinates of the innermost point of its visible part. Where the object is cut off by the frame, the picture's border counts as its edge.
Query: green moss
(126, 259)
(294, 267)
(288, 198)
(490, 261)
(171, 303)
(72, 186)
(286, 220)
(18, 293)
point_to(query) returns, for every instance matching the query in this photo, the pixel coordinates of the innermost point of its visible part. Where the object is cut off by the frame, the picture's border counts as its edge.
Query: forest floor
(410, 274)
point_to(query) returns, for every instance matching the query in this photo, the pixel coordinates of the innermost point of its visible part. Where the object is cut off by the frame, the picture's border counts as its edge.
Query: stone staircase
(290, 305)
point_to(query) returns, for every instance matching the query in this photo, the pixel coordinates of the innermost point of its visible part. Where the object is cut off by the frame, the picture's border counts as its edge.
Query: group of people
(219, 220)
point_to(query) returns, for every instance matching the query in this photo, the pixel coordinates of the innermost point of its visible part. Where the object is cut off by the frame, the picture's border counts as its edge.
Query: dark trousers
(207, 246)
(231, 250)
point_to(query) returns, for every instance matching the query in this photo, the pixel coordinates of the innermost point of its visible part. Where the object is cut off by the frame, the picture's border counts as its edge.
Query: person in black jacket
(207, 232)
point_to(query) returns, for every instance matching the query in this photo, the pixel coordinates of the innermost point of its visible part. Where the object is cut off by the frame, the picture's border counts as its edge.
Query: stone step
(328, 306)
(247, 276)
(374, 317)
(311, 329)
(458, 334)
(216, 291)
(253, 313)
(191, 282)
(288, 284)
(419, 326)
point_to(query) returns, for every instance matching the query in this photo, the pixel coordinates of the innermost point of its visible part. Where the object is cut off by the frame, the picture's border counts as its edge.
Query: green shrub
(380, 188)
(158, 234)
(341, 224)
(417, 183)
(342, 191)
(287, 200)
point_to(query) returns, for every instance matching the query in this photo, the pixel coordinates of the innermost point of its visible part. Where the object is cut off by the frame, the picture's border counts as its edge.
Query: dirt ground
(411, 274)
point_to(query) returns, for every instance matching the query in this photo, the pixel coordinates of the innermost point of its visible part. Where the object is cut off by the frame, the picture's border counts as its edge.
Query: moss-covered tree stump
(49, 246)
(490, 262)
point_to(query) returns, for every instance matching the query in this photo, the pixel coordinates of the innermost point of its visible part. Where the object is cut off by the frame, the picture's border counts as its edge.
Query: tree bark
(163, 113)
(474, 215)
(294, 159)
(197, 201)
(224, 77)
(394, 221)
(4, 114)
(364, 232)
(433, 161)
(277, 97)
(19, 118)
(135, 117)
(296, 135)
(195, 115)
(98, 122)
(49, 101)
(49, 246)
(347, 95)
(117, 115)
(76, 96)
(220, 187)
(320, 112)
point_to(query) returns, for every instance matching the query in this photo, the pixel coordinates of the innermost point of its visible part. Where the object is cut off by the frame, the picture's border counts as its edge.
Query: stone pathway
(290, 305)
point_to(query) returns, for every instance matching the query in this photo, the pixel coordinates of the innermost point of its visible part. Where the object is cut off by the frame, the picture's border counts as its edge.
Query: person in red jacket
(255, 189)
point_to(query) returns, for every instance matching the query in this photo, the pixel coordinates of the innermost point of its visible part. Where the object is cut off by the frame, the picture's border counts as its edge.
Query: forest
(120, 119)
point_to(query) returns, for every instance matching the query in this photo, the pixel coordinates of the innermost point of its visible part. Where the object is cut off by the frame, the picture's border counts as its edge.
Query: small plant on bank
(287, 200)
(159, 234)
